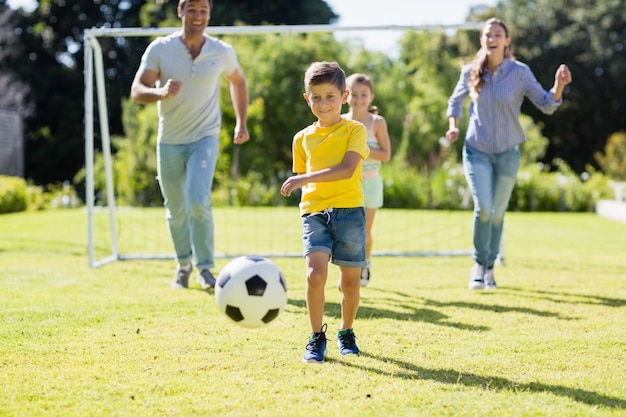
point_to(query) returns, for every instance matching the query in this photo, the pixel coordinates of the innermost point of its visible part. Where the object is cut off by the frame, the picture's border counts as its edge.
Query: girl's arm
(382, 135)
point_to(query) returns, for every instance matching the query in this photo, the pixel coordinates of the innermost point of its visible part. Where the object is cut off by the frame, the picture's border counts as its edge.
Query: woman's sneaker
(316, 347)
(346, 340)
(490, 281)
(477, 277)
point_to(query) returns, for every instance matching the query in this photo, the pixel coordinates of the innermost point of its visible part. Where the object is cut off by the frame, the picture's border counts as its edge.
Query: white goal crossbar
(94, 67)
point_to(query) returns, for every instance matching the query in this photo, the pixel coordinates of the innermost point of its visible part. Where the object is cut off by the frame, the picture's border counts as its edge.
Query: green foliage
(427, 73)
(135, 165)
(250, 190)
(589, 38)
(13, 194)
(16, 194)
(539, 188)
(613, 160)
(134, 162)
(274, 66)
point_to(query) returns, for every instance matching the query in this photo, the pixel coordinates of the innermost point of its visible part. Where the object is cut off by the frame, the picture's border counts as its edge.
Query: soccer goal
(126, 233)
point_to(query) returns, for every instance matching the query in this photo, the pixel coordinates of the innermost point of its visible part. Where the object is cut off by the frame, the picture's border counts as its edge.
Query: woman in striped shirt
(497, 84)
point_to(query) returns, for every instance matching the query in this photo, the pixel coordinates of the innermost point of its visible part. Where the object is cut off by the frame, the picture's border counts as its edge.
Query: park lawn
(117, 341)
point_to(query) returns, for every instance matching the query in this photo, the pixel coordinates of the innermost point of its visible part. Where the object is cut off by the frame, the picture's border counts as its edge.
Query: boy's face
(325, 101)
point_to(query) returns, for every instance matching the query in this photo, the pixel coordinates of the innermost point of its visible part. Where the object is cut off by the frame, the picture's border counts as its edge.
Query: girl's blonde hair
(365, 80)
(480, 63)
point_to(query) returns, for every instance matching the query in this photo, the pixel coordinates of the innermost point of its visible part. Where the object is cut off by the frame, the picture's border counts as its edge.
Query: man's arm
(239, 97)
(144, 90)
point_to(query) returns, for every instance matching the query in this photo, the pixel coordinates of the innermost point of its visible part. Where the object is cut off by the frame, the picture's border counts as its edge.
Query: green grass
(117, 341)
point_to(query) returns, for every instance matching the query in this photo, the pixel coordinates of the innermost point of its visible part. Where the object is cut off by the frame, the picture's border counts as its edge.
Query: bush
(404, 186)
(13, 194)
(538, 189)
(613, 160)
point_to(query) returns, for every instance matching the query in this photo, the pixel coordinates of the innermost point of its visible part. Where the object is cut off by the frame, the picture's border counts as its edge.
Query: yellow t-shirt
(316, 148)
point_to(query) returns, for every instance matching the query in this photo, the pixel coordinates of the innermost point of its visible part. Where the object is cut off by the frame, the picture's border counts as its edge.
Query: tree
(589, 36)
(248, 12)
(51, 39)
(15, 93)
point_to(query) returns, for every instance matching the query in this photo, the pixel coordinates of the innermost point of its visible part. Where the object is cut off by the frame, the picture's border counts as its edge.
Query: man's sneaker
(181, 279)
(477, 277)
(346, 340)
(490, 282)
(316, 347)
(206, 279)
(365, 275)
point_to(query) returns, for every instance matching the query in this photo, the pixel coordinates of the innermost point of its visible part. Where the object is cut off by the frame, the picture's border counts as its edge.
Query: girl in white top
(361, 95)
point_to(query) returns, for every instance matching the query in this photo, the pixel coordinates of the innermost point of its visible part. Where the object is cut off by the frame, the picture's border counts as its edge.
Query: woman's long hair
(480, 63)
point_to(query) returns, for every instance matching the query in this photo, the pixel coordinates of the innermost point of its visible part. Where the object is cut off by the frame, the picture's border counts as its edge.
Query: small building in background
(11, 143)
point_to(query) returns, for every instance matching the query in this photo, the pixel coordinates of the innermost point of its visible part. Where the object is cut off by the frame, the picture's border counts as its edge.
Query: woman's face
(494, 39)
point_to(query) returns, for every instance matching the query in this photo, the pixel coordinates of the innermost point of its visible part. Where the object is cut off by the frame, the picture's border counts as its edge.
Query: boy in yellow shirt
(327, 157)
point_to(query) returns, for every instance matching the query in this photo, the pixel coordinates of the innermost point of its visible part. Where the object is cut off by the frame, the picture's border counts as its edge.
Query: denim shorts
(339, 232)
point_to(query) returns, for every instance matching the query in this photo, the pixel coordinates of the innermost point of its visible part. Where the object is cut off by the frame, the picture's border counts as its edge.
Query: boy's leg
(350, 289)
(316, 275)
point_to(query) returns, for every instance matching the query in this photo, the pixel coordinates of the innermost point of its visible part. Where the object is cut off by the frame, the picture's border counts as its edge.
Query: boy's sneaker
(490, 282)
(181, 279)
(206, 279)
(316, 347)
(477, 277)
(365, 275)
(346, 340)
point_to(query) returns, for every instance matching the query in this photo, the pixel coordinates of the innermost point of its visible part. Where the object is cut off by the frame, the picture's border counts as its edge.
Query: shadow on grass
(497, 308)
(410, 313)
(563, 297)
(454, 377)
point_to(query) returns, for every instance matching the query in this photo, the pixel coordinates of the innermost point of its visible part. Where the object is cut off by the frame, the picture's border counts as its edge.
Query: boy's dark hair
(325, 72)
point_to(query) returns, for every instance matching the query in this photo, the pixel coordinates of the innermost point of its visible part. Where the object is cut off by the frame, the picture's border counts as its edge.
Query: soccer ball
(251, 291)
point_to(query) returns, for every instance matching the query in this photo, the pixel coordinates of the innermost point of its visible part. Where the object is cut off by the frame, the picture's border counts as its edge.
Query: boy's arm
(342, 171)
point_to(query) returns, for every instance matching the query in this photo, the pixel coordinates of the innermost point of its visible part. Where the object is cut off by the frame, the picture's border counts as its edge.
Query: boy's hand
(289, 185)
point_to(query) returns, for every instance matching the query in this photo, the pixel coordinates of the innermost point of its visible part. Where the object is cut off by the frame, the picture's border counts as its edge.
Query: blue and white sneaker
(346, 340)
(181, 279)
(205, 279)
(316, 347)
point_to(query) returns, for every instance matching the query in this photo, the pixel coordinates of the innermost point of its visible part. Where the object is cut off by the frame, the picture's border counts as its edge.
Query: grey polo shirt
(194, 113)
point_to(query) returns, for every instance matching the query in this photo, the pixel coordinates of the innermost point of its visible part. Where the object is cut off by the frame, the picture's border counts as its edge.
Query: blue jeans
(185, 174)
(491, 178)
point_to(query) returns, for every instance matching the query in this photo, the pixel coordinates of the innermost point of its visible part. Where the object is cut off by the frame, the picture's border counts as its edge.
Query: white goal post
(94, 74)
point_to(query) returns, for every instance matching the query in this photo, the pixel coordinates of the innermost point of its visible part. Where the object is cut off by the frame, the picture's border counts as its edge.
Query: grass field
(117, 341)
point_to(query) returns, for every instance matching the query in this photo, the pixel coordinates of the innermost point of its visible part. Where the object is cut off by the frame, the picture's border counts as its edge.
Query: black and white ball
(251, 291)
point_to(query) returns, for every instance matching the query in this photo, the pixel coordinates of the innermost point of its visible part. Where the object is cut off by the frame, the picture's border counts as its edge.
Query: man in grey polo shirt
(181, 72)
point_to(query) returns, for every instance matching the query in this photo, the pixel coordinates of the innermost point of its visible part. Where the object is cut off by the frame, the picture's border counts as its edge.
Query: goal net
(121, 232)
